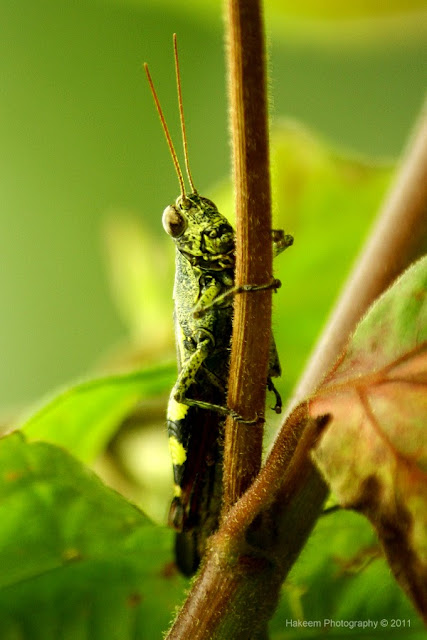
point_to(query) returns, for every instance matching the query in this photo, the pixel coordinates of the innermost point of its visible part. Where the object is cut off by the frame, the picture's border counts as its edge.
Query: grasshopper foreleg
(281, 241)
(200, 311)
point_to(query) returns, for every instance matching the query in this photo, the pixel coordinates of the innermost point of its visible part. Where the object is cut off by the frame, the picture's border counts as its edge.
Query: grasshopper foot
(270, 386)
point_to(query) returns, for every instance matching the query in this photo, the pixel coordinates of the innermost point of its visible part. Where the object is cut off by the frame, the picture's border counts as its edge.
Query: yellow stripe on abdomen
(177, 491)
(177, 451)
(176, 410)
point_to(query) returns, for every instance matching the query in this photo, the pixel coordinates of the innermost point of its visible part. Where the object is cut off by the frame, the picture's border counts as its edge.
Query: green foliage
(394, 327)
(78, 561)
(84, 417)
(341, 575)
(78, 556)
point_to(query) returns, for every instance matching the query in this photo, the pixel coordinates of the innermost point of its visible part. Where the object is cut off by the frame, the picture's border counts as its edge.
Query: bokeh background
(81, 147)
(86, 269)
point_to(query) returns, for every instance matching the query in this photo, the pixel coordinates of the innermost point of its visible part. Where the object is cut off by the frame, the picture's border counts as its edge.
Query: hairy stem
(252, 310)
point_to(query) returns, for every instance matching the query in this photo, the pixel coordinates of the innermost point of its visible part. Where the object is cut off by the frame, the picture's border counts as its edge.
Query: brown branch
(399, 237)
(252, 311)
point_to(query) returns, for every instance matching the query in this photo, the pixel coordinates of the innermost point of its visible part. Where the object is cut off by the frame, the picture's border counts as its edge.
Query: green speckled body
(192, 285)
(204, 270)
(204, 243)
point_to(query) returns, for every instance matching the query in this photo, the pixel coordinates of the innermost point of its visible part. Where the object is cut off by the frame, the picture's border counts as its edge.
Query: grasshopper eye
(174, 223)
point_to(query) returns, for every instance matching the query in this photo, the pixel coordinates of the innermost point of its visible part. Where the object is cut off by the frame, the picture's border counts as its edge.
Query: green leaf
(83, 418)
(374, 451)
(78, 561)
(342, 578)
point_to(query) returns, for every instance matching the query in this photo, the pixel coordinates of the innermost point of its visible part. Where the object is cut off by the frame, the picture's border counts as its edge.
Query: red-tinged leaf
(374, 450)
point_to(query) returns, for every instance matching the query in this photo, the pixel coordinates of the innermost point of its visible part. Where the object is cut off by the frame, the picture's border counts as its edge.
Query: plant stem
(252, 310)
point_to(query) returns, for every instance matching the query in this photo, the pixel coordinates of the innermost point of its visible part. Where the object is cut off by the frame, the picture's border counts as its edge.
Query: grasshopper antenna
(166, 130)
(181, 115)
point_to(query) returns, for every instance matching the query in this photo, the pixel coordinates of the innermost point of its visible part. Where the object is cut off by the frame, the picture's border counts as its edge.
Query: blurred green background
(87, 270)
(80, 141)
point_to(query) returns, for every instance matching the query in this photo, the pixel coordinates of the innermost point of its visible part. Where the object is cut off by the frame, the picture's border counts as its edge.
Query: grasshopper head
(201, 233)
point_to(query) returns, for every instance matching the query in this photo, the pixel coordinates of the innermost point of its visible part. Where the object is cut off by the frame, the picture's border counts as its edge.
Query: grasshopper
(203, 310)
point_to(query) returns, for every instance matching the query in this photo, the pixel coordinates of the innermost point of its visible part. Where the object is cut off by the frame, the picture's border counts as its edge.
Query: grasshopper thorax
(201, 233)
